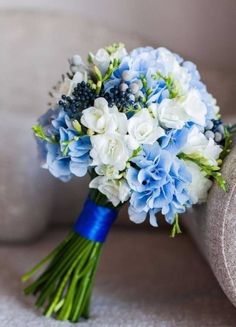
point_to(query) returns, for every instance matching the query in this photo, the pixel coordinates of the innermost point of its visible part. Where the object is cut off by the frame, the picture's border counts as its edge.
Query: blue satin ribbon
(94, 222)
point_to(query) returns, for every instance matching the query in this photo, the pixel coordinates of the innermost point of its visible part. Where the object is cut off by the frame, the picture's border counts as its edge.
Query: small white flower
(171, 114)
(213, 105)
(198, 143)
(116, 190)
(109, 171)
(174, 113)
(143, 128)
(67, 85)
(101, 119)
(194, 107)
(101, 59)
(119, 53)
(110, 149)
(170, 67)
(200, 185)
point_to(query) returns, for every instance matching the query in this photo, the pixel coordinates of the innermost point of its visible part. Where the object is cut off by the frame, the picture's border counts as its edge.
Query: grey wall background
(202, 30)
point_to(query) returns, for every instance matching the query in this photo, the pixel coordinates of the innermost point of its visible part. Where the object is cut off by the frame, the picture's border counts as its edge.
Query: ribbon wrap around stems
(95, 221)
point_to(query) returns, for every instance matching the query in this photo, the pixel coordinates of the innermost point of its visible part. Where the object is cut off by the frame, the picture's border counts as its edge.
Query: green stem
(52, 254)
(176, 228)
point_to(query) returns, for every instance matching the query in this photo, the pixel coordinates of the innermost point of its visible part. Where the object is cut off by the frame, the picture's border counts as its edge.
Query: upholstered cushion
(145, 279)
(213, 226)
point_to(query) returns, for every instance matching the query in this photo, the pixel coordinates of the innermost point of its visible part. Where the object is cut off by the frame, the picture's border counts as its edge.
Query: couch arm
(213, 227)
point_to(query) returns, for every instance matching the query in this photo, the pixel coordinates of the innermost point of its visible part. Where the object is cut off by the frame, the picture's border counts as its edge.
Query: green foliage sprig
(210, 170)
(39, 132)
(170, 84)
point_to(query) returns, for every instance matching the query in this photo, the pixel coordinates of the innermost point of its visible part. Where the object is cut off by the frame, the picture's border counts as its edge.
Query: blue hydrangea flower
(77, 149)
(68, 157)
(45, 121)
(174, 140)
(56, 163)
(159, 181)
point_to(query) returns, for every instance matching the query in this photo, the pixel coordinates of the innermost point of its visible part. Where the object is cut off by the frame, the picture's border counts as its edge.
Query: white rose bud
(143, 128)
(116, 190)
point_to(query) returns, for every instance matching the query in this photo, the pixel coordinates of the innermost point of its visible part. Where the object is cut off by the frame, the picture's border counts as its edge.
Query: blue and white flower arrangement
(147, 131)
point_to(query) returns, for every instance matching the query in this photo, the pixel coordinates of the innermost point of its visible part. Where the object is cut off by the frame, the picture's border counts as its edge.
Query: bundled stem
(64, 288)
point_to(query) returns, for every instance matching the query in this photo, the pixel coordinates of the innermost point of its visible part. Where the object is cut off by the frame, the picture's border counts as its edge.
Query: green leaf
(170, 84)
(39, 132)
(136, 152)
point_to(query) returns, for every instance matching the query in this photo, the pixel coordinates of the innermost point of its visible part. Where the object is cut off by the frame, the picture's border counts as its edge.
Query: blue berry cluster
(215, 129)
(83, 96)
(120, 98)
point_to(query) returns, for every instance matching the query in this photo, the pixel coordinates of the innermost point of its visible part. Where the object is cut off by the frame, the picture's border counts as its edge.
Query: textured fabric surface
(145, 279)
(213, 227)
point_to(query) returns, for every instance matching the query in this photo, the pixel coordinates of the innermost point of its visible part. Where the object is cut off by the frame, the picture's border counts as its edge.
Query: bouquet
(147, 131)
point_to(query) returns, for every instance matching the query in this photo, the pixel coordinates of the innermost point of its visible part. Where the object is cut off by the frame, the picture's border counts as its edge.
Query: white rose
(200, 185)
(143, 128)
(171, 114)
(116, 190)
(101, 119)
(110, 149)
(198, 143)
(174, 113)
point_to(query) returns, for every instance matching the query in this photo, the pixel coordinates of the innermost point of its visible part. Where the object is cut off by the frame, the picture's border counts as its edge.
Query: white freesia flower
(109, 171)
(67, 85)
(110, 149)
(213, 105)
(200, 185)
(174, 113)
(171, 67)
(116, 190)
(143, 128)
(198, 143)
(194, 107)
(102, 58)
(101, 119)
(119, 53)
